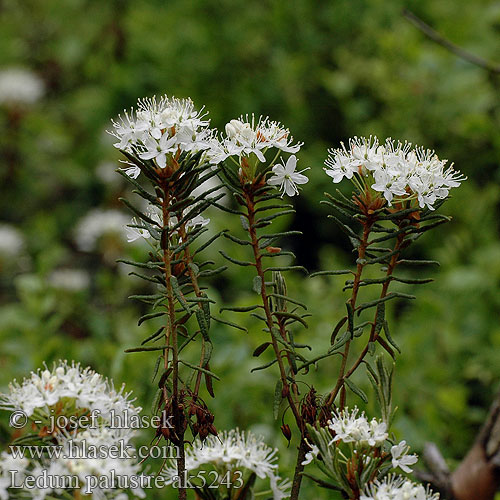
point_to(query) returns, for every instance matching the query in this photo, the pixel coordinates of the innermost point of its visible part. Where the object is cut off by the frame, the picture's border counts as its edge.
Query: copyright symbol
(18, 419)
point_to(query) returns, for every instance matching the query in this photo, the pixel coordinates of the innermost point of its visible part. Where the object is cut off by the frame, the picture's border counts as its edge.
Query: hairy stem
(385, 287)
(171, 339)
(294, 404)
(354, 295)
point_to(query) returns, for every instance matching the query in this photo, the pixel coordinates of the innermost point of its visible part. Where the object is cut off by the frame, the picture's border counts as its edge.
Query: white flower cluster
(137, 229)
(232, 451)
(394, 169)
(83, 388)
(246, 136)
(160, 128)
(351, 428)
(98, 223)
(97, 471)
(20, 86)
(397, 488)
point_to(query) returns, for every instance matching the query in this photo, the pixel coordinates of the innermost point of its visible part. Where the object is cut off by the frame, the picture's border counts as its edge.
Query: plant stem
(297, 477)
(294, 405)
(267, 310)
(355, 288)
(171, 338)
(383, 293)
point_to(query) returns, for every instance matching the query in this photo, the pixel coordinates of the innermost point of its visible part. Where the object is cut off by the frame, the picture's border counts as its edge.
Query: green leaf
(244, 222)
(289, 315)
(337, 328)
(212, 272)
(277, 398)
(230, 323)
(146, 317)
(414, 262)
(331, 273)
(200, 317)
(178, 294)
(240, 308)
(153, 336)
(289, 299)
(263, 367)
(239, 241)
(260, 349)
(257, 284)
(147, 348)
(236, 261)
(198, 368)
(389, 296)
(354, 388)
(157, 366)
(286, 268)
(389, 338)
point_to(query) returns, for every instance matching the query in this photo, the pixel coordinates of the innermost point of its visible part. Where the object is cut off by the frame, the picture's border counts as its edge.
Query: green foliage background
(328, 71)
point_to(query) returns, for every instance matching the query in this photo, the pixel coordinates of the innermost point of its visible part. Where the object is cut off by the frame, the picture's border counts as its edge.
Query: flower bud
(285, 429)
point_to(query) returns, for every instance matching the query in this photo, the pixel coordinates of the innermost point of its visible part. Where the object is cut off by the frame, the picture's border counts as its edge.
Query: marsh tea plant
(170, 155)
(396, 191)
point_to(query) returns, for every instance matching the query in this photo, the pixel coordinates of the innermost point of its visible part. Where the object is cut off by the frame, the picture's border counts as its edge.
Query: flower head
(161, 128)
(72, 386)
(233, 451)
(286, 177)
(397, 488)
(247, 136)
(351, 428)
(394, 169)
(88, 461)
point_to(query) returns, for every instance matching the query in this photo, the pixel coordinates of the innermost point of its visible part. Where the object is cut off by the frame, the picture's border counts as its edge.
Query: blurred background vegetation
(326, 70)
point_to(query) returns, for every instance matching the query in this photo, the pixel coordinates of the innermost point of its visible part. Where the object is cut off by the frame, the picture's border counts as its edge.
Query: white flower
(397, 488)
(161, 128)
(20, 86)
(400, 457)
(158, 149)
(246, 136)
(351, 428)
(287, 178)
(97, 223)
(311, 454)
(11, 240)
(83, 388)
(232, 451)
(394, 169)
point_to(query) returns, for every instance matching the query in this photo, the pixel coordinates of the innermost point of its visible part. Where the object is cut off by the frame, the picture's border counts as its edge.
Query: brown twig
(297, 479)
(436, 37)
